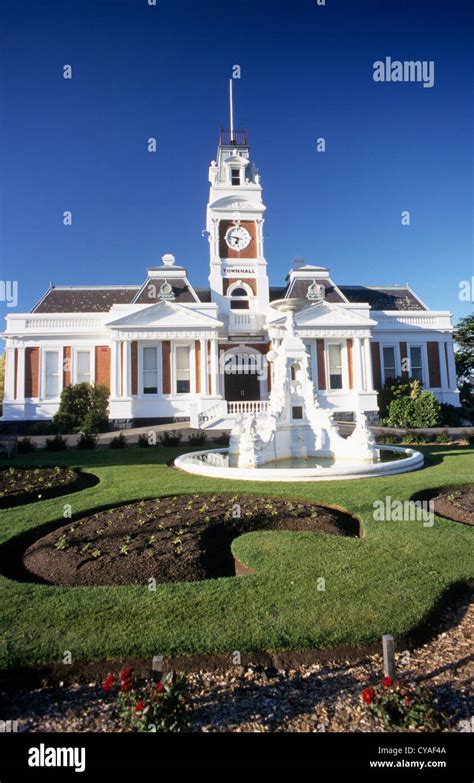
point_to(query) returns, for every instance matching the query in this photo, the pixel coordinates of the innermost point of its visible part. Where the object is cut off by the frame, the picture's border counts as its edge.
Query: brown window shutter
(321, 364)
(403, 358)
(102, 366)
(31, 372)
(197, 362)
(434, 371)
(448, 376)
(349, 363)
(134, 366)
(166, 366)
(67, 378)
(376, 370)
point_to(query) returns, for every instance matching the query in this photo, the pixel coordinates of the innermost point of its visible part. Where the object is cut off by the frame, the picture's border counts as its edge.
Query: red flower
(126, 673)
(108, 682)
(387, 682)
(139, 706)
(125, 686)
(407, 700)
(159, 687)
(368, 695)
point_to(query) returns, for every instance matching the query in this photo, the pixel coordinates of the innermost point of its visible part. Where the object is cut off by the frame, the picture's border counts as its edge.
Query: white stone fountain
(295, 438)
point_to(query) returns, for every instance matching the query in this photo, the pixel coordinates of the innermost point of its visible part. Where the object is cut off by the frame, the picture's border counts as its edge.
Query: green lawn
(386, 582)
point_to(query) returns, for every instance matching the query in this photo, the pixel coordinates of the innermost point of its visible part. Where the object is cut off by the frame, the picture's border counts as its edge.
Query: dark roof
(150, 292)
(84, 300)
(396, 298)
(277, 293)
(203, 294)
(301, 285)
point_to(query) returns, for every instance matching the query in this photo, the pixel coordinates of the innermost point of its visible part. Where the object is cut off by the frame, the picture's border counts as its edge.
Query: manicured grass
(386, 582)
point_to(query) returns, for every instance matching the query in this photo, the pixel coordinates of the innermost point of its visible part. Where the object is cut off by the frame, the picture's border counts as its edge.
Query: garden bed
(171, 539)
(20, 485)
(456, 503)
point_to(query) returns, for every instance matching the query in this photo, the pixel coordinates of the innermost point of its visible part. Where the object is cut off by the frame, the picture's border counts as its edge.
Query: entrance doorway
(241, 376)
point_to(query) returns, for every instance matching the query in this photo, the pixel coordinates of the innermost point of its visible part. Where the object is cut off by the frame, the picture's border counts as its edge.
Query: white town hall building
(169, 351)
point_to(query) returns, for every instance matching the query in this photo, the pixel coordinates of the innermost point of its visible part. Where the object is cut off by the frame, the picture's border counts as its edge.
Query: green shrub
(197, 439)
(87, 440)
(395, 388)
(171, 438)
(222, 439)
(421, 411)
(56, 444)
(143, 441)
(83, 407)
(26, 446)
(118, 442)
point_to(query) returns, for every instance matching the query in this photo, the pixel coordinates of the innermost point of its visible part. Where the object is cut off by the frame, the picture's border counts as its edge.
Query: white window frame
(192, 373)
(396, 355)
(57, 350)
(159, 370)
(83, 349)
(424, 361)
(344, 370)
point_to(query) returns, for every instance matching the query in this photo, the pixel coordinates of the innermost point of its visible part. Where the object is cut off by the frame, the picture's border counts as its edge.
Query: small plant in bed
(118, 442)
(152, 706)
(58, 443)
(30, 483)
(407, 707)
(87, 440)
(170, 438)
(26, 446)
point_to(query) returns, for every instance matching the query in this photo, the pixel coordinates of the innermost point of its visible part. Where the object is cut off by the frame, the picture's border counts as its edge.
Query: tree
(464, 356)
(83, 407)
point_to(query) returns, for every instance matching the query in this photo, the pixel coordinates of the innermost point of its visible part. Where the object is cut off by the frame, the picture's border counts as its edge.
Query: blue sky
(141, 71)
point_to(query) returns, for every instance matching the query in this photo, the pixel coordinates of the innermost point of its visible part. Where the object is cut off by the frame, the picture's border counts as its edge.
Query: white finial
(231, 111)
(168, 259)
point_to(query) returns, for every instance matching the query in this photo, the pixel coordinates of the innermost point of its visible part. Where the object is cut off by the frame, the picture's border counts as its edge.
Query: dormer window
(235, 176)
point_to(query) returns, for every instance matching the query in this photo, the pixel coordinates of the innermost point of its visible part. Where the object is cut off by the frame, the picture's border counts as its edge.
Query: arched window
(239, 296)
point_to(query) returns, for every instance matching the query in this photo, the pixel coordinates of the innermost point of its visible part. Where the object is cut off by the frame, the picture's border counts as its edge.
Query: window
(183, 371)
(335, 366)
(83, 367)
(150, 371)
(389, 368)
(239, 299)
(51, 373)
(416, 362)
(297, 412)
(235, 176)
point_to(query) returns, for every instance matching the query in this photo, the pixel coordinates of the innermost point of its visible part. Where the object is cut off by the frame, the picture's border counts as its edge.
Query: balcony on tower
(233, 138)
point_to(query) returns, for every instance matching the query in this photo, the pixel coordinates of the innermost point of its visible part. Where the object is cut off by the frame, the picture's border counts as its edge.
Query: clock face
(237, 238)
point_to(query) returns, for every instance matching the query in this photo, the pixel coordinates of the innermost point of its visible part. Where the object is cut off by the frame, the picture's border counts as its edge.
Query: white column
(9, 374)
(357, 364)
(126, 369)
(20, 381)
(368, 366)
(215, 386)
(114, 369)
(204, 367)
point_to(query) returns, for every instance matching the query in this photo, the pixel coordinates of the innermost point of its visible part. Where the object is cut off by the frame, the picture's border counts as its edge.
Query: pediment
(327, 314)
(165, 315)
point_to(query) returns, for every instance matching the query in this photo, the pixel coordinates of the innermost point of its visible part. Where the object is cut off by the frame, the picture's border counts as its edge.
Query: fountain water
(295, 438)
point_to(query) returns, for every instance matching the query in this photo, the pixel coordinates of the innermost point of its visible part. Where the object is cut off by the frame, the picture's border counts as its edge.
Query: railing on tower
(237, 137)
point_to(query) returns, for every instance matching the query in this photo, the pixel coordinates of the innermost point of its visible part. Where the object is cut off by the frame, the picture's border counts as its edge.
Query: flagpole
(231, 112)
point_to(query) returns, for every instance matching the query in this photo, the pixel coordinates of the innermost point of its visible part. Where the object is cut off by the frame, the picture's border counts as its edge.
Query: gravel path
(320, 697)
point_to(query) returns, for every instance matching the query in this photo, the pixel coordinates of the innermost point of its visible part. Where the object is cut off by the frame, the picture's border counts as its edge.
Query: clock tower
(238, 270)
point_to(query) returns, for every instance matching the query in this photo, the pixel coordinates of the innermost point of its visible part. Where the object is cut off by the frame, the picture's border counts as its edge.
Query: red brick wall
(67, 379)
(197, 361)
(376, 369)
(166, 366)
(249, 252)
(31, 372)
(251, 282)
(434, 370)
(321, 364)
(134, 366)
(102, 366)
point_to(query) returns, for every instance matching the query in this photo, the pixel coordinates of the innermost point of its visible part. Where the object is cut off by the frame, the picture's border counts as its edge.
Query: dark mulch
(20, 485)
(174, 539)
(456, 503)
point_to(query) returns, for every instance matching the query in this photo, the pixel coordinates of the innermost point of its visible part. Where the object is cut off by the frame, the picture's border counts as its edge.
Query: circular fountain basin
(217, 463)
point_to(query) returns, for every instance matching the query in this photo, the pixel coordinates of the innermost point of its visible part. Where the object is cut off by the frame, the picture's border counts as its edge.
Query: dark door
(241, 386)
